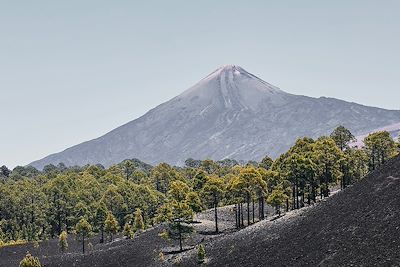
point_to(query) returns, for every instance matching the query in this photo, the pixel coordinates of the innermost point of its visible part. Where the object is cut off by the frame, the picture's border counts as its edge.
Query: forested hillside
(133, 196)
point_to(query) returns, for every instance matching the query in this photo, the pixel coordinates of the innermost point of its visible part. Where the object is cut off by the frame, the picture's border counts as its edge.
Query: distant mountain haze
(229, 114)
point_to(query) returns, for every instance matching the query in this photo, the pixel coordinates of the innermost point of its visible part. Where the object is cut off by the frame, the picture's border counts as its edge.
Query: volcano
(230, 113)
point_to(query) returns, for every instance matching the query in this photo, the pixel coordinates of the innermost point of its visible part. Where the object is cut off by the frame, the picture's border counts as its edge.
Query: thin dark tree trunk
(294, 196)
(102, 236)
(341, 181)
(239, 213)
(241, 210)
(287, 204)
(262, 208)
(235, 209)
(32, 213)
(236, 216)
(180, 236)
(320, 190)
(253, 209)
(216, 216)
(248, 211)
(83, 243)
(297, 195)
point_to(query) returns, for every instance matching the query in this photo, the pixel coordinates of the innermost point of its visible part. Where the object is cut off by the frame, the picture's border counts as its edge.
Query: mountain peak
(231, 113)
(234, 76)
(233, 86)
(229, 68)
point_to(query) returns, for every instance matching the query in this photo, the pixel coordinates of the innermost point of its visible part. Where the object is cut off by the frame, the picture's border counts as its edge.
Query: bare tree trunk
(83, 243)
(241, 210)
(180, 236)
(216, 217)
(294, 196)
(262, 208)
(248, 211)
(297, 195)
(287, 204)
(253, 209)
(236, 216)
(239, 215)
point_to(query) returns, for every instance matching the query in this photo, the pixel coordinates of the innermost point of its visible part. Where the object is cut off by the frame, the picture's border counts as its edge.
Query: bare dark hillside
(359, 226)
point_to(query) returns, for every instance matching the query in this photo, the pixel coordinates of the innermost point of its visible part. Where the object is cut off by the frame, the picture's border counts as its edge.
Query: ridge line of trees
(132, 195)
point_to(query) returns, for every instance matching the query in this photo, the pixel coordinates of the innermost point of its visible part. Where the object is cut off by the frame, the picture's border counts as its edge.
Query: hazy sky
(71, 71)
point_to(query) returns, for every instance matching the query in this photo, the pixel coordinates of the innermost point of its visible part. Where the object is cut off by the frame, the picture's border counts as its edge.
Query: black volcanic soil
(143, 250)
(359, 226)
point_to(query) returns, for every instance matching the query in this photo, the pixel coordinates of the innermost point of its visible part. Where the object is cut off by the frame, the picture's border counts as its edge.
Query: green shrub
(201, 253)
(62, 241)
(30, 261)
(128, 233)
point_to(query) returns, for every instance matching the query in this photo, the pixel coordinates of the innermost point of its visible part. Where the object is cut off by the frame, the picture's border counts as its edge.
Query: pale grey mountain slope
(228, 114)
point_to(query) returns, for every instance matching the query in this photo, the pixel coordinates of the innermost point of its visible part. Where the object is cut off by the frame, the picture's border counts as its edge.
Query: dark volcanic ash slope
(359, 226)
(229, 114)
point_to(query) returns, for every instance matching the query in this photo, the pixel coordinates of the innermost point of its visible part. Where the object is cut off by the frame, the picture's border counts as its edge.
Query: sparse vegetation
(138, 224)
(201, 253)
(83, 229)
(111, 226)
(30, 261)
(128, 231)
(129, 197)
(63, 242)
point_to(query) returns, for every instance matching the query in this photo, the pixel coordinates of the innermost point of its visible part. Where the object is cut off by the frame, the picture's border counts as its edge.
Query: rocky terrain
(359, 226)
(229, 114)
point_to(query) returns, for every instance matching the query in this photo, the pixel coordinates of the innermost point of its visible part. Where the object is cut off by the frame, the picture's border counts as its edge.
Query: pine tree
(111, 225)
(201, 253)
(83, 228)
(176, 213)
(101, 216)
(194, 201)
(138, 224)
(266, 163)
(380, 147)
(212, 192)
(328, 158)
(128, 232)
(30, 261)
(128, 168)
(342, 137)
(276, 199)
(62, 241)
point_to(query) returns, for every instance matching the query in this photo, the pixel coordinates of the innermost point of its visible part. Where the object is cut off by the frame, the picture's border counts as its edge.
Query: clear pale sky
(73, 70)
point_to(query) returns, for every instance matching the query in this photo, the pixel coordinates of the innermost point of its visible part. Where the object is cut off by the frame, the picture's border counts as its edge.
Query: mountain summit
(230, 113)
(232, 87)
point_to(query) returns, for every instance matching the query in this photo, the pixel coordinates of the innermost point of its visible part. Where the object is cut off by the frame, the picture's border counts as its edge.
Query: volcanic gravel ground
(143, 250)
(359, 226)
